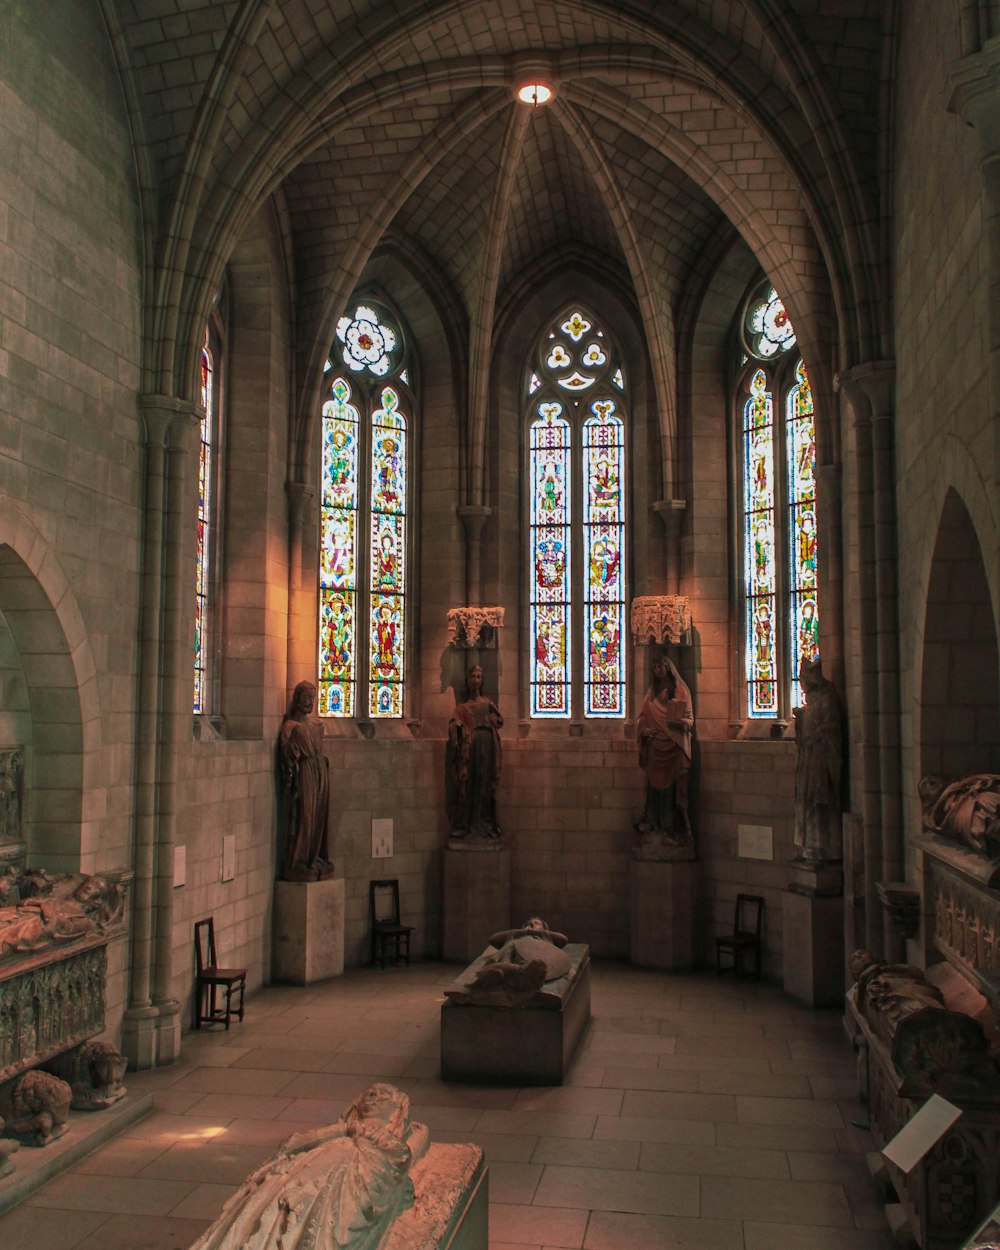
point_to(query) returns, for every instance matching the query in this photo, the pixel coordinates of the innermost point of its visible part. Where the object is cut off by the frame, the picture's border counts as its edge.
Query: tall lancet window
(778, 489)
(577, 521)
(366, 424)
(208, 511)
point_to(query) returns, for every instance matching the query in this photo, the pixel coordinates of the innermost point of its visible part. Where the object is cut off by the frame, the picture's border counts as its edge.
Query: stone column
(473, 518)
(302, 606)
(150, 1029)
(871, 388)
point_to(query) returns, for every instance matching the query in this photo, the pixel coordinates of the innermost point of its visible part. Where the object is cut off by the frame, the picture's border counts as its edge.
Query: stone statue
(40, 1107)
(333, 1187)
(96, 1081)
(664, 728)
(819, 729)
(305, 773)
(7, 1147)
(38, 923)
(39, 909)
(472, 763)
(967, 811)
(525, 959)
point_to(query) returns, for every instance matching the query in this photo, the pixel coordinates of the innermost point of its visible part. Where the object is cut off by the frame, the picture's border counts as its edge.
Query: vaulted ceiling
(673, 128)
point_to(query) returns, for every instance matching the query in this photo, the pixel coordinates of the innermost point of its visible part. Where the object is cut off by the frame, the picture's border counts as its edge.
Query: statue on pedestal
(967, 811)
(305, 773)
(819, 729)
(664, 729)
(472, 764)
(339, 1187)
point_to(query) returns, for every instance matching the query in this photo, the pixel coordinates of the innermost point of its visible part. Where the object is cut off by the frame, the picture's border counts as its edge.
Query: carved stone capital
(473, 517)
(975, 84)
(167, 419)
(870, 387)
(670, 512)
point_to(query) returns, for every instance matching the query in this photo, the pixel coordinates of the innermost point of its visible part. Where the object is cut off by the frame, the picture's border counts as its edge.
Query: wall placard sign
(921, 1132)
(755, 842)
(382, 839)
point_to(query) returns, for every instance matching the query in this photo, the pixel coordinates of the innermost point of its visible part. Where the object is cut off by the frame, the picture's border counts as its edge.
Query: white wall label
(921, 1132)
(755, 841)
(381, 839)
(229, 857)
(180, 866)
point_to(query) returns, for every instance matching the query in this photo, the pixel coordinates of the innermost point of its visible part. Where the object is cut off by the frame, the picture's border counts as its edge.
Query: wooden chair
(748, 925)
(388, 935)
(210, 977)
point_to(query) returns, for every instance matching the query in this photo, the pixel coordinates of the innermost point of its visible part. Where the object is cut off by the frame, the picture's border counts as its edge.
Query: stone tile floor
(700, 1112)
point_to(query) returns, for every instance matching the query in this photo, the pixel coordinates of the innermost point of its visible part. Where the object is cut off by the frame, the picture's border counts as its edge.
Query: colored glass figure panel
(387, 570)
(385, 669)
(204, 532)
(800, 449)
(550, 561)
(338, 553)
(760, 563)
(336, 652)
(604, 544)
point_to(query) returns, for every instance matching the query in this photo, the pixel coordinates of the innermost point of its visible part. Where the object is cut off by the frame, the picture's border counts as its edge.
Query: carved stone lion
(98, 1068)
(40, 1104)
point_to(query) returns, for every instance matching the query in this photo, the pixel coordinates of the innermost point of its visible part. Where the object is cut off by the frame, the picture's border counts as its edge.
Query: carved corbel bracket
(901, 902)
(466, 626)
(661, 618)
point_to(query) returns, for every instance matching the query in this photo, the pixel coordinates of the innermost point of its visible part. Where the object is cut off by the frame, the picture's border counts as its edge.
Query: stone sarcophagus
(54, 934)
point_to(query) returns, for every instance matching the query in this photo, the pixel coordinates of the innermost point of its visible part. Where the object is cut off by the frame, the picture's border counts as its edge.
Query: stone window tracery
(577, 522)
(366, 425)
(777, 490)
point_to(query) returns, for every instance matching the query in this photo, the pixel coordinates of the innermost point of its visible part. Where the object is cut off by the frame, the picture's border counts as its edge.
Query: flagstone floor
(700, 1113)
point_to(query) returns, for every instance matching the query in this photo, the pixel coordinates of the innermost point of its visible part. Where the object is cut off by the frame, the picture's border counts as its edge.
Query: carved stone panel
(50, 1005)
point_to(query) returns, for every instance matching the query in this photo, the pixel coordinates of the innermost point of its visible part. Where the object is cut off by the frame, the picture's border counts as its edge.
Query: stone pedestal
(475, 901)
(813, 934)
(308, 930)
(662, 900)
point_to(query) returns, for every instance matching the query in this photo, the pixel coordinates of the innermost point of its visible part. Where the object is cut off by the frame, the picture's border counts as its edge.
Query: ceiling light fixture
(534, 93)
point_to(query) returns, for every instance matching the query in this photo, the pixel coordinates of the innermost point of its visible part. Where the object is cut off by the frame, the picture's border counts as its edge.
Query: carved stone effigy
(369, 1181)
(517, 1013)
(662, 619)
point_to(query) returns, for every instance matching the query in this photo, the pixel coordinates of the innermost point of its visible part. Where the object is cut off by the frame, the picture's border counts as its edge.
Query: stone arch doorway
(41, 712)
(960, 683)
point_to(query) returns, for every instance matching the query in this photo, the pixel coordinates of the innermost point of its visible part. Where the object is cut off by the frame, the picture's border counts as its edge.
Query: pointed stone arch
(960, 678)
(50, 701)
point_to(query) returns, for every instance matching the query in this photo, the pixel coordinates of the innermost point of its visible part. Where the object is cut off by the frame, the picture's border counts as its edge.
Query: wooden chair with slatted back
(748, 926)
(210, 978)
(389, 936)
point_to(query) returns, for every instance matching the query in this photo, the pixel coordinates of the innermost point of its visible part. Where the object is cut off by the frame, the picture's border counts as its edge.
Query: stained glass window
(206, 553)
(781, 586)
(576, 451)
(800, 458)
(759, 548)
(363, 521)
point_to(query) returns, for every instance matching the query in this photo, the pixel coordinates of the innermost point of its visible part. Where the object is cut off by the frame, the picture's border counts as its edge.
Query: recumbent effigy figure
(931, 1046)
(341, 1185)
(966, 811)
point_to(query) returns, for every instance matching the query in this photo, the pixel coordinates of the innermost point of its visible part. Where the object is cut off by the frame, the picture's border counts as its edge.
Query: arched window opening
(363, 518)
(778, 504)
(207, 558)
(576, 522)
